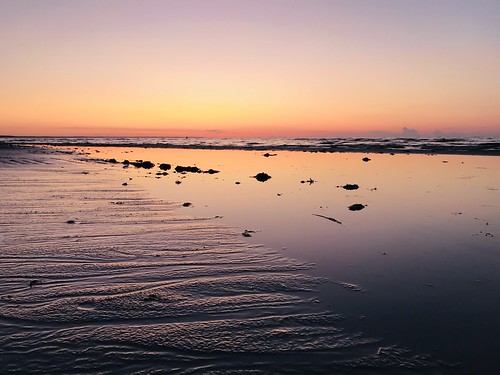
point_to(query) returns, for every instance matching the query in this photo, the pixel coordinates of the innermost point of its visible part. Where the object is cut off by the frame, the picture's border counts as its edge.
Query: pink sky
(248, 68)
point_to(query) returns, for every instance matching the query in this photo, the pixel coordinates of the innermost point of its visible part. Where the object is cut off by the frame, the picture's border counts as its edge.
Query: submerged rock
(356, 207)
(262, 177)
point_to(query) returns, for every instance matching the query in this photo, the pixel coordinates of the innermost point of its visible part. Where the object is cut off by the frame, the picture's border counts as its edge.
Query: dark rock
(178, 182)
(356, 207)
(190, 169)
(143, 164)
(211, 171)
(351, 186)
(125, 184)
(186, 204)
(262, 177)
(70, 222)
(237, 182)
(365, 159)
(165, 166)
(267, 154)
(247, 233)
(113, 161)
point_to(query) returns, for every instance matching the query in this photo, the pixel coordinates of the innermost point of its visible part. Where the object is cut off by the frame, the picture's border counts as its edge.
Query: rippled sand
(97, 277)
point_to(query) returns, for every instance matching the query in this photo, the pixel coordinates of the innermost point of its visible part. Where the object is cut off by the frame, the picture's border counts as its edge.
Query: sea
(465, 145)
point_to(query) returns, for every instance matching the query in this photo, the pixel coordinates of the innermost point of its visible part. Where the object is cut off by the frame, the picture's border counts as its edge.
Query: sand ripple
(96, 277)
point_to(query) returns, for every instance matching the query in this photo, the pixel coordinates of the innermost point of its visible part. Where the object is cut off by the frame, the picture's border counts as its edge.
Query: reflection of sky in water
(425, 249)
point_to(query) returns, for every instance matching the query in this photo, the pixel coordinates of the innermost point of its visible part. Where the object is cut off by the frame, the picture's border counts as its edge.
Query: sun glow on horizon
(235, 68)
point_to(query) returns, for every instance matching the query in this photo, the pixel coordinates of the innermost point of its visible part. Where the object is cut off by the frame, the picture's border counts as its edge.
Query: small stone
(262, 177)
(186, 204)
(70, 222)
(365, 159)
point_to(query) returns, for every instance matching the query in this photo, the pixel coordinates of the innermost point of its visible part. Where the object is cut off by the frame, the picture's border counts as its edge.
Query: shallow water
(418, 266)
(103, 277)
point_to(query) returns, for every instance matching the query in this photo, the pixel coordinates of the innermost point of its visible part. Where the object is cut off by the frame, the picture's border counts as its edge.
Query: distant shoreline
(451, 146)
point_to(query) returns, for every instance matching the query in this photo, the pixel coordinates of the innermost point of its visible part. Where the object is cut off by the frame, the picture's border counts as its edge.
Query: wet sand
(98, 276)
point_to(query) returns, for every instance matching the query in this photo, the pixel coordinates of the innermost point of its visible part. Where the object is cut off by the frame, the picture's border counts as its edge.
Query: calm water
(423, 254)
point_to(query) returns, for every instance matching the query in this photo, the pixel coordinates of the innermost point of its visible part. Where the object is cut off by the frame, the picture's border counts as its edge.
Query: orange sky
(237, 68)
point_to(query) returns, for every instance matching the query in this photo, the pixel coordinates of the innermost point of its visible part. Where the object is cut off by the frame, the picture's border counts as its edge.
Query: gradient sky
(248, 68)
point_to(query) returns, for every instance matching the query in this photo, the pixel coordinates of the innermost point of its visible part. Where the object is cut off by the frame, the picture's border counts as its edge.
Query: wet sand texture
(97, 277)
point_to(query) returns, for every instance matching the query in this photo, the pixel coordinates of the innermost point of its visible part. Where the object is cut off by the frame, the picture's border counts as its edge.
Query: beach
(114, 268)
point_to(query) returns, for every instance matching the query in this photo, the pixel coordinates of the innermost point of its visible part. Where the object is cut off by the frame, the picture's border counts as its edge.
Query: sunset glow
(249, 68)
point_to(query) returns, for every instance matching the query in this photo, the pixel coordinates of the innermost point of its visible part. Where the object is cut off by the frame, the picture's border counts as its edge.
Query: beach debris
(351, 186)
(181, 169)
(143, 164)
(356, 207)
(165, 166)
(261, 177)
(186, 204)
(366, 159)
(70, 221)
(310, 181)
(328, 218)
(267, 154)
(34, 282)
(247, 233)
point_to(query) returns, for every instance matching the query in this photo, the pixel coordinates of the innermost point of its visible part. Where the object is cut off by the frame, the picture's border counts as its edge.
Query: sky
(249, 68)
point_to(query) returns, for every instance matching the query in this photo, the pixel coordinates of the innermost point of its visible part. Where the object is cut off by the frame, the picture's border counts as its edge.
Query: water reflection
(424, 249)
